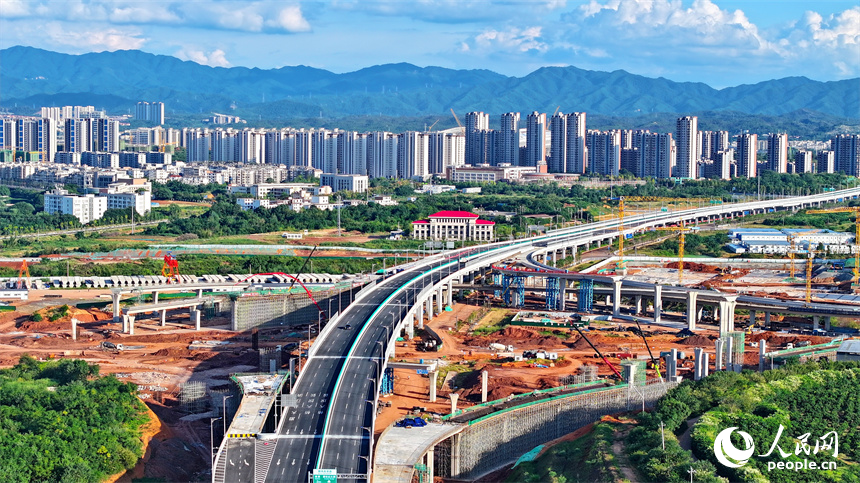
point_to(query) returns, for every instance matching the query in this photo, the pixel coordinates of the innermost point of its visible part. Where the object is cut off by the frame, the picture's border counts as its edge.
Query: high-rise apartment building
(477, 124)
(777, 153)
(846, 153)
(557, 162)
(657, 154)
(382, 154)
(746, 155)
(535, 139)
(445, 149)
(686, 144)
(508, 139)
(577, 153)
(412, 159)
(154, 112)
(47, 139)
(604, 152)
(826, 162)
(803, 162)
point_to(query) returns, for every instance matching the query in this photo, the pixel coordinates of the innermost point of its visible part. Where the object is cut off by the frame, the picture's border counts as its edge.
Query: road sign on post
(325, 476)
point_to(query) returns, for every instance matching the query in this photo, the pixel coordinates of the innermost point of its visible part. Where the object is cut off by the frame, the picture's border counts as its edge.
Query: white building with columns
(453, 225)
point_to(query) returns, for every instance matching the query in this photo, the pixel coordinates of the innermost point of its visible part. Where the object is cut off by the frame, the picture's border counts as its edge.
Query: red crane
(170, 269)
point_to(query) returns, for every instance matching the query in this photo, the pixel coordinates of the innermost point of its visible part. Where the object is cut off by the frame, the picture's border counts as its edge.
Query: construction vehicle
(170, 268)
(605, 360)
(655, 364)
(682, 231)
(856, 211)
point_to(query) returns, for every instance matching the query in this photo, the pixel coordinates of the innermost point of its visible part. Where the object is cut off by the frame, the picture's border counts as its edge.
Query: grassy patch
(495, 321)
(588, 458)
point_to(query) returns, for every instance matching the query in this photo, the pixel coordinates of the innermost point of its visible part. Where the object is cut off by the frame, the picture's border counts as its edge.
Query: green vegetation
(710, 245)
(60, 422)
(494, 321)
(814, 397)
(588, 458)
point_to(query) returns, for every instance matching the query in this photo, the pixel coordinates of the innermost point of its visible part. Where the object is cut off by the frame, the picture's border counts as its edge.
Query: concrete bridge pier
(450, 293)
(658, 303)
(727, 315)
(827, 324)
(439, 300)
(195, 318)
(816, 322)
(163, 315)
(155, 297)
(409, 325)
(767, 319)
(752, 317)
(691, 310)
(762, 349)
(117, 313)
(616, 298)
(638, 307)
(429, 308)
(433, 375)
(454, 397)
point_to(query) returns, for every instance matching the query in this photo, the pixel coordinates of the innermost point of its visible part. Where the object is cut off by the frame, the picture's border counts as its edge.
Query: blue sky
(721, 43)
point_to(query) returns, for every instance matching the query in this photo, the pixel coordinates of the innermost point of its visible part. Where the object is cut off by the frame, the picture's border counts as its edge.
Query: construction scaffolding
(587, 373)
(514, 288)
(554, 294)
(270, 359)
(193, 397)
(738, 339)
(287, 309)
(585, 298)
(634, 369)
(496, 440)
(387, 386)
(497, 281)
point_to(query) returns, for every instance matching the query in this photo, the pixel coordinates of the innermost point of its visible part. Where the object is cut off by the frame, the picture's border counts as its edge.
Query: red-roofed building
(453, 225)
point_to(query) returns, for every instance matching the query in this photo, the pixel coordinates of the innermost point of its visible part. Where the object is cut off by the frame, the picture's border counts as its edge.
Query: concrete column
(697, 359)
(155, 297)
(450, 294)
(74, 328)
(439, 300)
(419, 314)
(195, 318)
(752, 317)
(705, 364)
(816, 322)
(616, 298)
(762, 349)
(606, 301)
(727, 315)
(767, 319)
(430, 464)
(454, 397)
(455, 455)
(163, 315)
(638, 304)
(672, 365)
(718, 354)
(658, 302)
(429, 307)
(484, 378)
(200, 293)
(691, 310)
(433, 376)
(827, 324)
(130, 325)
(410, 326)
(117, 314)
(124, 319)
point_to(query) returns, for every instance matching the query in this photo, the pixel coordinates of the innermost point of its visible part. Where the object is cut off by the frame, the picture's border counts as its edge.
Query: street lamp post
(224, 413)
(212, 441)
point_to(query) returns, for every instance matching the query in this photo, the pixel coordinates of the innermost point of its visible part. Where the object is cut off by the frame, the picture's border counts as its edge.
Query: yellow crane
(792, 247)
(809, 259)
(456, 118)
(856, 211)
(682, 231)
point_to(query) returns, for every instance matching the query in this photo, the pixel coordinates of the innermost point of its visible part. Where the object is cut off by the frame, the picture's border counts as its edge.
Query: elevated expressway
(331, 423)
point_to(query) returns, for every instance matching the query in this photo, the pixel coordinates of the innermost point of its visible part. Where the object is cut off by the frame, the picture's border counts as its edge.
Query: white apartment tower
(535, 139)
(557, 162)
(747, 150)
(477, 123)
(777, 153)
(686, 143)
(508, 139)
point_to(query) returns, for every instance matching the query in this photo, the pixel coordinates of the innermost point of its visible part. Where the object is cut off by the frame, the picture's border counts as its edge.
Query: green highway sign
(325, 476)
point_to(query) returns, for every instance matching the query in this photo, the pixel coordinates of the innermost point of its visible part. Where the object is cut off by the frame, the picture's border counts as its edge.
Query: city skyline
(700, 41)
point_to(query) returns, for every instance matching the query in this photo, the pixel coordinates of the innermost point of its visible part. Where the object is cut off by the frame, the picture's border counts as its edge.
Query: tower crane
(23, 276)
(856, 211)
(456, 118)
(792, 247)
(682, 231)
(810, 257)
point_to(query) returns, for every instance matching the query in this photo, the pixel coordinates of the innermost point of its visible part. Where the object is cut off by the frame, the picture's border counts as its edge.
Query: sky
(718, 42)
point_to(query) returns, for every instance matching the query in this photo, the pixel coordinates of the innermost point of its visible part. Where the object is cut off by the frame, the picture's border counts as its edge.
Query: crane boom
(856, 211)
(456, 118)
(605, 360)
(682, 231)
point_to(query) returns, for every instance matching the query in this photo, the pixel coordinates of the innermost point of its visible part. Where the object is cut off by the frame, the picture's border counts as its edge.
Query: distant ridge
(115, 80)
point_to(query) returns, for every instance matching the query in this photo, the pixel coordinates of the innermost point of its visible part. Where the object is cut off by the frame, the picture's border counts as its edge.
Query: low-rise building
(453, 225)
(356, 183)
(488, 174)
(383, 200)
(85, 208)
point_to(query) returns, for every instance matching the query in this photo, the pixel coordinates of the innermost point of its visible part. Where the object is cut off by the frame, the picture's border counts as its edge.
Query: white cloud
(291, 19)
(14, 8)
(94, 39)
(216, 58)
(512, 39)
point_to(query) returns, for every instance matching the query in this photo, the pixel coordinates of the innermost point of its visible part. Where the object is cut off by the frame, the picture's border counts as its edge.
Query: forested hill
(115, 80)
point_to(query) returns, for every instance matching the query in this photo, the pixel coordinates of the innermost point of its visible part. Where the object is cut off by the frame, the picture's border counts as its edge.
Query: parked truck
(501, 347)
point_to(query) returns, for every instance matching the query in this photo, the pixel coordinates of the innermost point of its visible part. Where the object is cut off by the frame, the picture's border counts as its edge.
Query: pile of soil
(695, 267)
(63, 322)
(774, 338)
(517, 337)
(697, 340)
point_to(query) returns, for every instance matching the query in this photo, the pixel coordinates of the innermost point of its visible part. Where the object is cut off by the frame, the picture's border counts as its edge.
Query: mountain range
(117, 80)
